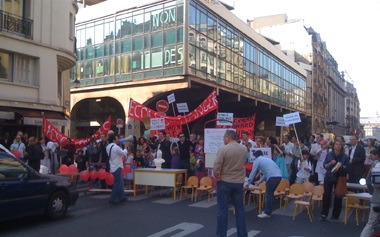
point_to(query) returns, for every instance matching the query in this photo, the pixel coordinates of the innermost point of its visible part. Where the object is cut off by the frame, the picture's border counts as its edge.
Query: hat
(324, 142)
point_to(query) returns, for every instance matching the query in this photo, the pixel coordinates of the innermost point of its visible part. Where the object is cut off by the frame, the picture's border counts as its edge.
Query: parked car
(25, 192)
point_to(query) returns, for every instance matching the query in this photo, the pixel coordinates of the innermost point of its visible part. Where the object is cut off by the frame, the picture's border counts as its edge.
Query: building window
(15, 7)
(71, 26)
(5, 66)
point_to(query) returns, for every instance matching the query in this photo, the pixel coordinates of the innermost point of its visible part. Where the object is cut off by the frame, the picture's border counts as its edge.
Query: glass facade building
(150, 42)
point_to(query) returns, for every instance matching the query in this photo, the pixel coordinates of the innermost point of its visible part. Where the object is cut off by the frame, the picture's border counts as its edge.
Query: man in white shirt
(315, 154)
(288, 152)
(115, 154)
(246, 139)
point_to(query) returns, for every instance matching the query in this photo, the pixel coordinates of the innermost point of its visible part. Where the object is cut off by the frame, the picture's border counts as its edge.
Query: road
(158, 215)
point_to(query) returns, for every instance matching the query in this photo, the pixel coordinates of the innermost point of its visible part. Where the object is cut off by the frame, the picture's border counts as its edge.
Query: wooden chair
(317, 195)
(296, 191)
(260, 192)
(308, 188)
(192, 183)
(281, 190)
(307, 204)
(353, 203)
(204, 186)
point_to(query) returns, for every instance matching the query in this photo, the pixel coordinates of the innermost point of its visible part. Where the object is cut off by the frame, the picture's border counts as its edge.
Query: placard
(267, 152)
(171, 98)
(225, 116)
(214, 139)
(157, 123)
(292, 118)
(280, 122)
(182, 108)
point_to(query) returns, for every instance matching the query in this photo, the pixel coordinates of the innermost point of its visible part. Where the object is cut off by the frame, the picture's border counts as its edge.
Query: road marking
(251, 233)
(185, 228)
(205, 203)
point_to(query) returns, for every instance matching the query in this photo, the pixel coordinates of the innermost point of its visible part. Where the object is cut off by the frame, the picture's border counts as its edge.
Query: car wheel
(57, 206)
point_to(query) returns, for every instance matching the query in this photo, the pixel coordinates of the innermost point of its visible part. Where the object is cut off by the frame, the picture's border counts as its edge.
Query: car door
(21, 191)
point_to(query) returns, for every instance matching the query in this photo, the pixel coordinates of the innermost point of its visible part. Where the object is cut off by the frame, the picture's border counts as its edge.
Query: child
(200, 170)
(304, 168)
(175, 156)
(279, 159)
(128, 178)
(81, 161)
(192, 162)
(150, 156)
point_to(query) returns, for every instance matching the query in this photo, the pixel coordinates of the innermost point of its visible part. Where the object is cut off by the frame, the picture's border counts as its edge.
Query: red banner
(56, 136)
(172, 130)
(244, 124)
(138, 111)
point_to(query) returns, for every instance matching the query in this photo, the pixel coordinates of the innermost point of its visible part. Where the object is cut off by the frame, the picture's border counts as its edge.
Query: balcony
(16, 25)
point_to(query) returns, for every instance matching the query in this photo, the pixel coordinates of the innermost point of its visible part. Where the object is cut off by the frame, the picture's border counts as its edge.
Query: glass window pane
(137, 61)
(126, 27)
(192, 16)
(90, 52)
(89, 35)
(99, 68)
(169, 37)
(89, 73)
(180, 15)
(99, 51)
(146, 41)
(138, 24)
(156, 58)
(170, 56)
(125, 63)
(99, 34)
(147, 22)
(157, 39)
(126, 45)
(180, 35)
(5, 66)
(138, 43)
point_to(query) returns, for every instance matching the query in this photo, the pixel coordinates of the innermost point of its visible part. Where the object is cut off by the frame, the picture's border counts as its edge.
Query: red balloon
(102, 174)
(127, 169)
(17, 153)
(110, 179)
(64, 169)
(94, 174)
(73, 169)
(84, 175)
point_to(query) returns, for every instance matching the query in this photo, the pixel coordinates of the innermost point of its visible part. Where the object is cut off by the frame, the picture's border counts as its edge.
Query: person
(33, 154)
(128, 178)
(332, 158)
(18, 145)
(81, 161)
(289, 147)
(175, 156)
(315, 153)
(230, 173)
(200, 170)
(260, 142)
(115, 154)
(374, 216)
(193, 161)
(319, 169)
(164, 145)
(245, 139)
(46, 160)
(279, 159)
(139, 159)
(70, 151)
(199, 146)
(357, 158)
(296, 157)
(271, 174)
(368, 161)
(184, 152)
(6, 141)
(304, 168)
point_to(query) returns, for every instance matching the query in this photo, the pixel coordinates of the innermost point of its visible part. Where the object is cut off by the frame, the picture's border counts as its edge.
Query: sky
(350, 28)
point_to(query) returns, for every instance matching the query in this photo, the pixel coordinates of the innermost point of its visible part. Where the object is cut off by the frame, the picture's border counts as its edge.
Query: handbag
(341, 187)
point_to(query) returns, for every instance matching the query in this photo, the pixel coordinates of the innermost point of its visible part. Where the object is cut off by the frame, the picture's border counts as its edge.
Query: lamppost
(76, 81)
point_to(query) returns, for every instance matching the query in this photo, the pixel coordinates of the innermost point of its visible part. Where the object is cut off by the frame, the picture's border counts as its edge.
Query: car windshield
(11, 168)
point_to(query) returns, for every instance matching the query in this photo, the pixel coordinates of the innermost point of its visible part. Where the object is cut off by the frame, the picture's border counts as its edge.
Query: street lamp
(76, 81)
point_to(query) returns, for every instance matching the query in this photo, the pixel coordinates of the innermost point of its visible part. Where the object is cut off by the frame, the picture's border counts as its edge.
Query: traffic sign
(162, 106)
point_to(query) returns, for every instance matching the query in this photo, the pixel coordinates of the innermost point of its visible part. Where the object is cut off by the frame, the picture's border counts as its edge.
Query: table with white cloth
(154, 177)
(357, 186)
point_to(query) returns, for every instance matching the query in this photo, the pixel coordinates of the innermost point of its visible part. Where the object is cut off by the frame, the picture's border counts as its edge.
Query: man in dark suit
(6, 141)
(357, 157)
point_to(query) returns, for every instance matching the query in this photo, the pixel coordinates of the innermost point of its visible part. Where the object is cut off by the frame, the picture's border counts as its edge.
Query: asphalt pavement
(158, 215)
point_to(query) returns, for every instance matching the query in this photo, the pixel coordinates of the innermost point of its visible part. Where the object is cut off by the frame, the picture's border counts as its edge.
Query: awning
(34, 117)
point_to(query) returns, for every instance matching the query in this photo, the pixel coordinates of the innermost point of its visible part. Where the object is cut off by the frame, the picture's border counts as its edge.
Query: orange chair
(260, 192)
(204, 186)
(308, 188)
(281, 190)
(296, 191)
(317, 195)
(192, 183)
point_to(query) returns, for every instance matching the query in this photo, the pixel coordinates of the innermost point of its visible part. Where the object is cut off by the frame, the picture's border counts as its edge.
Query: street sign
(162, 106)
(171, 98)
(182, 108)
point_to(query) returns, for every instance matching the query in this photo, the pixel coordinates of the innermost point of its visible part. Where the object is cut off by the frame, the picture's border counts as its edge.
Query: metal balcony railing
(15, 24)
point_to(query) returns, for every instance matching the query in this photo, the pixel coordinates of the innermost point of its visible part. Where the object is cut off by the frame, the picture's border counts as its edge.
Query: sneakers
(323, 218)
(263, 215)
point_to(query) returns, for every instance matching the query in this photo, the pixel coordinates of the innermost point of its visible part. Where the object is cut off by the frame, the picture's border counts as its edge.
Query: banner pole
(187, 124)
(173, 109)
(298, 141)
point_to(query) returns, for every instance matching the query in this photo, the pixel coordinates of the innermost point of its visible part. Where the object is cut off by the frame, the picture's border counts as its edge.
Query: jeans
(373, 220)
(117, 193)
(326, 200)
(271, 185)
(226, 193)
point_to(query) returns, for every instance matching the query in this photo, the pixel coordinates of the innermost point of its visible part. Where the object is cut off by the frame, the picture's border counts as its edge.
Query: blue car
(25, 192)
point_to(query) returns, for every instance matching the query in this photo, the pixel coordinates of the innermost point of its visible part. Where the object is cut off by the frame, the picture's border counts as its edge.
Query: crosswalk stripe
(251, 233)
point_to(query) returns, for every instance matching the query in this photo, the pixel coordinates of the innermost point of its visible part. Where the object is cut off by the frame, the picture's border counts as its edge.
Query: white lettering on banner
(167, 16)
(185, 228)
